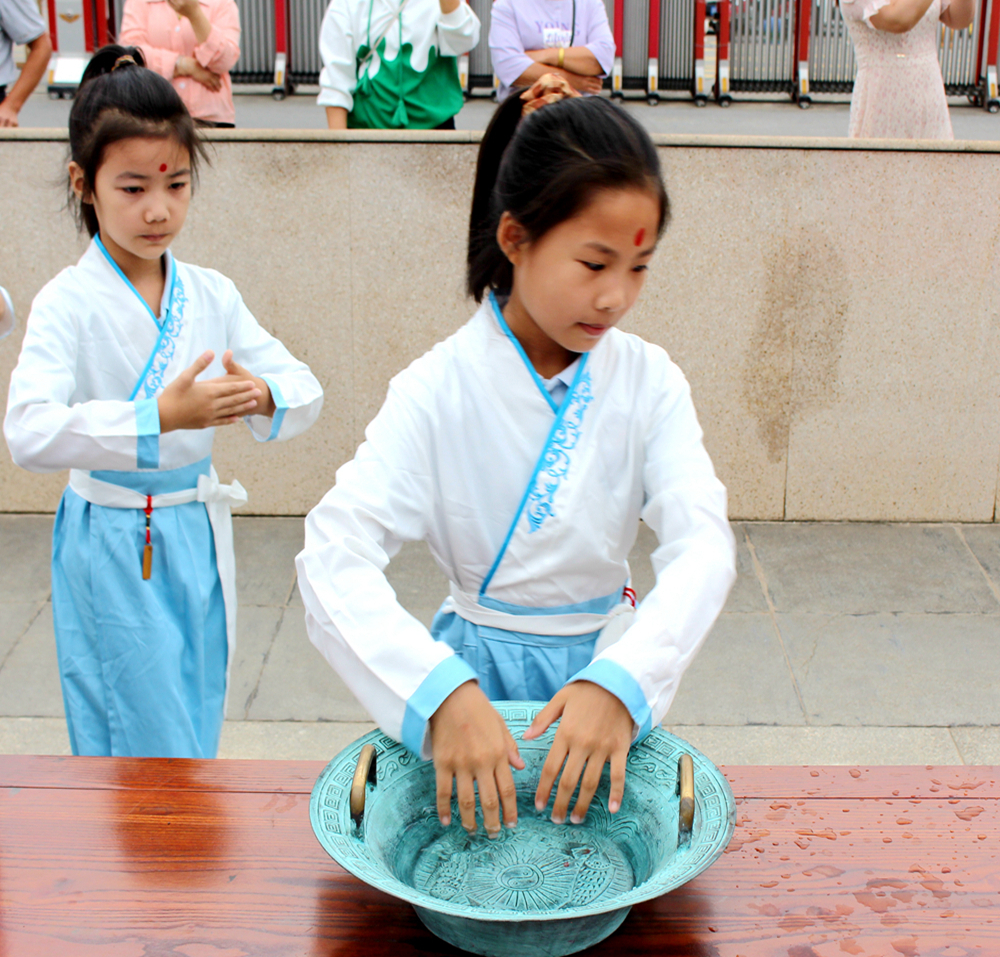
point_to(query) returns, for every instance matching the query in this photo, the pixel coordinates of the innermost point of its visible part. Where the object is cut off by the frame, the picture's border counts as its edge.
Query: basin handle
(685, 788)
(363, 774)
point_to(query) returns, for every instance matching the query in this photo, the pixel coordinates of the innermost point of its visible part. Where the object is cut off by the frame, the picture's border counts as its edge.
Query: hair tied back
(122, 60)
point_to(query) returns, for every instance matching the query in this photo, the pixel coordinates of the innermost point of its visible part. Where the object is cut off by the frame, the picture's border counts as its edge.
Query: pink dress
(898, 90)
(163, 36)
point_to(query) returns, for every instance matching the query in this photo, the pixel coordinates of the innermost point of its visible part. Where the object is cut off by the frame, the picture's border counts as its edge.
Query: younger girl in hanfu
(524, 450)
(130, 362)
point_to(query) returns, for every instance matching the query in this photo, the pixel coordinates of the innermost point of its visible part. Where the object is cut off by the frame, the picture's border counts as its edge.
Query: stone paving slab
(299, 685)
(880, 646)
(26, 550)
(29, 678)
(907, 670)
(984, 543)
(865, 569)
(864, 746)
(738, 677)
(978, 745)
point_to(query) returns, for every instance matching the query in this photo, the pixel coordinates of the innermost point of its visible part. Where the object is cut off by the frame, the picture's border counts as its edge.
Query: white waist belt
(575, 623)
(218, 499)
(209, 489)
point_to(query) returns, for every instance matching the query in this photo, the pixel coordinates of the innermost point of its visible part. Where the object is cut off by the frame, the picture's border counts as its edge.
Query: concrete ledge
(833, 303)
(685, 140)
(321, 740)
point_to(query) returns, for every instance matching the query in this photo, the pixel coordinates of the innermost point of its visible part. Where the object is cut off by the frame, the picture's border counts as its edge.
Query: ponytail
(545, 168)
(118, 99)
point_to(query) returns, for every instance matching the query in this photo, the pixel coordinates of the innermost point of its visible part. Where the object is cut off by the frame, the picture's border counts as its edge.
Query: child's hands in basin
(473, 748)
(595, 728)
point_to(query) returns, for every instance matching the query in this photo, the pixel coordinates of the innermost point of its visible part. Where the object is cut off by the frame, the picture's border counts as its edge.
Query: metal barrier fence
(304, 19)
(761, 45)
(831, 52)
(786, 46)
(257, 42)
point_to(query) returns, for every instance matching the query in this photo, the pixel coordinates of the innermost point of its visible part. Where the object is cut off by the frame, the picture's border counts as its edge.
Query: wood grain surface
(103, 857)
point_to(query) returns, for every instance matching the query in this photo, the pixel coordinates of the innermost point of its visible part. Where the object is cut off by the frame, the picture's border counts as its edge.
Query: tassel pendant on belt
(147, 552)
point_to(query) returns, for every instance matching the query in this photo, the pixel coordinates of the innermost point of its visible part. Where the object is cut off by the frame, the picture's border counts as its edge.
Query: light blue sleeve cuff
(612, 677)
(441, 682)
(147, 430)
(280, 407)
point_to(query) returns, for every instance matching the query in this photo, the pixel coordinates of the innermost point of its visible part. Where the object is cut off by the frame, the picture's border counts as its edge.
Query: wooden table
(114, 857)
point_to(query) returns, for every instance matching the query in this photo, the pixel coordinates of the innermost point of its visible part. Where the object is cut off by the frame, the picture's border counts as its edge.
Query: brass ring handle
(685, 788)
(363, 774)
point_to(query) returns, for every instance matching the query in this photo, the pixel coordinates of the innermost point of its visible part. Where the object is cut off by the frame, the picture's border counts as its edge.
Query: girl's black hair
(545, 168)
(119, 99)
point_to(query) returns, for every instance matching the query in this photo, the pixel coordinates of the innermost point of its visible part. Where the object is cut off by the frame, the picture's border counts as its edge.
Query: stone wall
(835, 305)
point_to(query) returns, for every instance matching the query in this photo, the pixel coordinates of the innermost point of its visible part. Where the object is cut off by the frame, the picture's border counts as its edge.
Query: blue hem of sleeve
(147, 429)
(612, 677)
(280, 407)
(444, 678)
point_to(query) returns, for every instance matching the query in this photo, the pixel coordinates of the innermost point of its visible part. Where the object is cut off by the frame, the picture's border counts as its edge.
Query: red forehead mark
(640, 236)
(163, 169)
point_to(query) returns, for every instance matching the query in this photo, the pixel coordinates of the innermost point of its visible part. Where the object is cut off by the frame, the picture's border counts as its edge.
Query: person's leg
(77, 640)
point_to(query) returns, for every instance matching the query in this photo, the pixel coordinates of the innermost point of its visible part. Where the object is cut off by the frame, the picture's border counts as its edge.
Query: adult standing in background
(393, 64)
(20, 22)
(572, 38)
(898, 90)
(194, 44)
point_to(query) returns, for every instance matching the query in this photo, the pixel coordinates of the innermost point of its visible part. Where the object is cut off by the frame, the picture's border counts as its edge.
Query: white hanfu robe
(530, 508)
(143, 663)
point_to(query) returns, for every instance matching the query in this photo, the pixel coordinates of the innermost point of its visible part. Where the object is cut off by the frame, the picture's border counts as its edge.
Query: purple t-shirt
(519, 25)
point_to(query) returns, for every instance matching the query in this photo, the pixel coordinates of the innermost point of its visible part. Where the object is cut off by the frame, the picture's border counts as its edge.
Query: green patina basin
(542, 889)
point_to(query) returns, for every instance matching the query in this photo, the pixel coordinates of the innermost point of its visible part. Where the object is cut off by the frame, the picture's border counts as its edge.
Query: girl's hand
(205, 77)
(472, 746)
(186, 8)
(186, 404)
(549, 88)
(595, 728)
(236, 373)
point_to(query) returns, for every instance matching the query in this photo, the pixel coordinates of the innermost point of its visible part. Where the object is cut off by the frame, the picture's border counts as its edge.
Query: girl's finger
(444, 778)
(198, 366)
(567, 785)
(217, 388)
(508, 795)
(550, 771)
(588, 787)
(545, 717)
(513, 754)
(489, 801)
(466, 800)
(226, 420)
(618, 761)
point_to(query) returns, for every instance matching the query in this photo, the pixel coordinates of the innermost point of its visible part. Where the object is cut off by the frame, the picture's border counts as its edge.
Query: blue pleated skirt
(142, 663)
(514, 665)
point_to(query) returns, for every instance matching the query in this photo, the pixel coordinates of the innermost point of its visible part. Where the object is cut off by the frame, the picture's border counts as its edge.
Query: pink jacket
(163, 36)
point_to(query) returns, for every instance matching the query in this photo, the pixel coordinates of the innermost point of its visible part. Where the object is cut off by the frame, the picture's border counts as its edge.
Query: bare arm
(336, 118)
(960, 14)
(900, 16)
(449, 6)
(34, 69)
(584, 84)
(575, 60)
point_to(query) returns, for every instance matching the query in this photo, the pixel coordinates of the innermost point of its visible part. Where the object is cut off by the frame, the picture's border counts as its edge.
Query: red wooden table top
(116, 857)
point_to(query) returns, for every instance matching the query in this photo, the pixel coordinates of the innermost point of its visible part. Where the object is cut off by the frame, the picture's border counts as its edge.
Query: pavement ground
(749, 115)
(840, 644)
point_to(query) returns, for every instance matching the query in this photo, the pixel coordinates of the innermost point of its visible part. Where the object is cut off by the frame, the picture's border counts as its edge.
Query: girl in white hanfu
(524, 449)
(130, 361)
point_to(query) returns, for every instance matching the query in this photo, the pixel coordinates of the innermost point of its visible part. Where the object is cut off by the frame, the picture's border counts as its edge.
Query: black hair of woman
(545, 168)
(119, 99)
